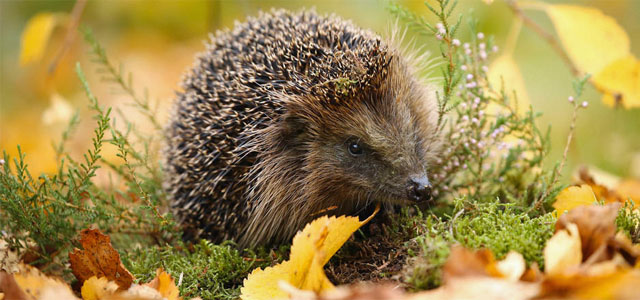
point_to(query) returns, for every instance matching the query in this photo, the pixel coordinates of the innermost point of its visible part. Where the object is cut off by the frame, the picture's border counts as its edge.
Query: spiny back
(233, 91)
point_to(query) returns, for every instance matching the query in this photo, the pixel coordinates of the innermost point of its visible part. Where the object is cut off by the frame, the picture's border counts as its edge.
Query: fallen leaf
(596, 226)
(35, 37)
(601, 191)
(30, 283)
(164, 284)
(573, 197)
(98, 259)
(512, 266)
(563, 250)
(629, 189)
(476, 275)
(98, 288)
(310, 251)
(462, 262)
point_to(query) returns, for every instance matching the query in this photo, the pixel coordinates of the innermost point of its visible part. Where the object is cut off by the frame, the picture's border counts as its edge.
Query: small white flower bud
(480, 35)
(456, 42)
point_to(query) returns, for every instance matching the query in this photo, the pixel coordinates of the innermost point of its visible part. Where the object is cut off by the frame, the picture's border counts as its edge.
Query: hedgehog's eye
(355, 147)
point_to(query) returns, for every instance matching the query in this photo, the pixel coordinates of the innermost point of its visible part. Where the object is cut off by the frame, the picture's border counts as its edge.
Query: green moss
(628, 221)
(209, 271)
(496, 226)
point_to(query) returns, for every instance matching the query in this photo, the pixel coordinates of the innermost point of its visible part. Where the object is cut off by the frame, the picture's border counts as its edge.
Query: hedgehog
(293, 115)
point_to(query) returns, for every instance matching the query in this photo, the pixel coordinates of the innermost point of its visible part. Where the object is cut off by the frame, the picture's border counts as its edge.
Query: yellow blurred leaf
(30, 283)
(311, 250)
(505, 73)
(563, 250)
(592, 40)
(573, 197)
(620, 81)
(164, 284)
(36, 36)
(629, 189)
(96, 288)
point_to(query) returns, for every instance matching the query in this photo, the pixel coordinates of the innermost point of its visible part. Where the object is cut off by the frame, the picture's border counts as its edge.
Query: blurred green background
(157, 41)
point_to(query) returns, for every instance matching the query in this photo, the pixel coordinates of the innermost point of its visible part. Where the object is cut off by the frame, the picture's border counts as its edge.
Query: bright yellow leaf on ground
(621, 82)
(311, 250)
(96, 288)
(36, 36)
(573, 197)
(505, 73)
(591, 39)
(563, 250)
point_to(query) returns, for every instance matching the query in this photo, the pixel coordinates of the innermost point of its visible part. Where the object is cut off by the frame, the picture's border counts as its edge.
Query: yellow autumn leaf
(505, 73)
(310, 251)
(573, 197)
(563, 250)
(36, 36)
(620, 81)
(591, 39)
(30, 282)
(96, 288)
(165, 285)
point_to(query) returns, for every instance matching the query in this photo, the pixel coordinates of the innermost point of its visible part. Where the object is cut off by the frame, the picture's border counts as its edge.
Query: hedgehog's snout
(419, 188)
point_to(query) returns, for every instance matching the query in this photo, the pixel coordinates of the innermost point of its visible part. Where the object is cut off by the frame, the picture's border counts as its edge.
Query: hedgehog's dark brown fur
(256, 143)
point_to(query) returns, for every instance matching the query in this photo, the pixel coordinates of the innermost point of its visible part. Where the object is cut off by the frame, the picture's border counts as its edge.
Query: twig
(543, 34)
(76, 13)
(558, 170)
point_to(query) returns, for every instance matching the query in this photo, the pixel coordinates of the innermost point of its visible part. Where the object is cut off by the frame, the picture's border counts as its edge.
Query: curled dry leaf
(477, 275)
(98, 259)
(610, 188)
(596, 226)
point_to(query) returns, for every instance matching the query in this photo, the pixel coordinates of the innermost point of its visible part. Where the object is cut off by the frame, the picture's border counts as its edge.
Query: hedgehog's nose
(419, 188)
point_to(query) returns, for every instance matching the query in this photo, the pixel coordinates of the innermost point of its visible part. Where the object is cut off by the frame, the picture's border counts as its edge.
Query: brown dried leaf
(463, 262)
(596, 225)
(98, 259)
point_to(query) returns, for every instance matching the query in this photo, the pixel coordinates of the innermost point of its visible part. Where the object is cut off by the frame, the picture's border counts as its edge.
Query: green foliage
(42, 216)
(628, 220)
(493, 148)
(207, 270)
(491, 225)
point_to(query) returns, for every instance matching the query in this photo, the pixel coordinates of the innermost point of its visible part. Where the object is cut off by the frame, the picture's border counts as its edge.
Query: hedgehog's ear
(292, 128)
